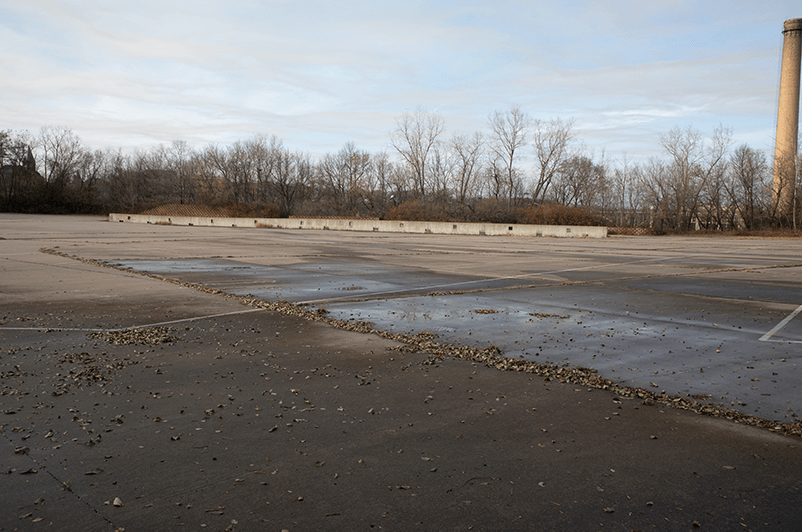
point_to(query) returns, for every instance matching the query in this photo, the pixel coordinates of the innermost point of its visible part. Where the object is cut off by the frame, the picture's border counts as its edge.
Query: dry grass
(764, 233)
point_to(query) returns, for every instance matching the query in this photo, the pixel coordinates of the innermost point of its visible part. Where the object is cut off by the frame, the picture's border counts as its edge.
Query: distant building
(19, 179)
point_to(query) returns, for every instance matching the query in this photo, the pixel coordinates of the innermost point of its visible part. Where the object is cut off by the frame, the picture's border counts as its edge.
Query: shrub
(417, 210)
(556, 214)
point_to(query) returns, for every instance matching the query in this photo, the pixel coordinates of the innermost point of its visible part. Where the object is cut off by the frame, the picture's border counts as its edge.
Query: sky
(318, 74)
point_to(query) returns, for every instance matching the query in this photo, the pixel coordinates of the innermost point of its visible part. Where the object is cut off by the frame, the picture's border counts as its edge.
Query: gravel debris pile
(137, 336)
(543, 315)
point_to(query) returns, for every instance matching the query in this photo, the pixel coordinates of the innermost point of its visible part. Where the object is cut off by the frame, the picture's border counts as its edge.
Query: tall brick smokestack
(788, 117)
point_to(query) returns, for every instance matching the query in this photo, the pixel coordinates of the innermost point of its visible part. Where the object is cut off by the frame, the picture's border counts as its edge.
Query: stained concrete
(248, 419)
(691, 320)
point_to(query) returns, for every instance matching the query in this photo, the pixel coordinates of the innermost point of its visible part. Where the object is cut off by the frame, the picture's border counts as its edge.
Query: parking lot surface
(190, 408)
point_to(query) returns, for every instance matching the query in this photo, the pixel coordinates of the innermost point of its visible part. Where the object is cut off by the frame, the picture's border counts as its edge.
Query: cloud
(319, 73)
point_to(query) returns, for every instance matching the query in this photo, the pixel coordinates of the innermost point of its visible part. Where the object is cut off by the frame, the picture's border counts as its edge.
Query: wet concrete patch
(683, 336)
(314, 283)
(733, 290)
(662, 349)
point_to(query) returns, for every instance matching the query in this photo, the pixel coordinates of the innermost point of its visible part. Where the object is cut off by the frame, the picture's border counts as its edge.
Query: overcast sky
(321, 73)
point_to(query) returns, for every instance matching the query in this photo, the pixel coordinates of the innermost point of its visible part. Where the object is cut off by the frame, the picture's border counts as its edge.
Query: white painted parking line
(379, 295)
(160, 324)
(768, 336)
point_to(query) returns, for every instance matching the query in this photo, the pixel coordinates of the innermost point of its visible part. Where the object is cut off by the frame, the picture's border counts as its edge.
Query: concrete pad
(692, 317)
(245, 418)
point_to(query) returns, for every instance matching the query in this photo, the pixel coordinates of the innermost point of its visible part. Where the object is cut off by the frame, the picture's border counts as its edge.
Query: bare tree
(414, 138)
(579, 182)
(494, 181)
(711, 208)
(292, 176)
(265, 154)
(346, 177)
(442, 167)
(683, 180)
(400, 185)
(551, 142)
(693, 165)
(746, 186)
(468, 165)
(61, 154)
(229, 172)
(178, 159)
(209, 166)
(378, 184)
(624, 193)
(153, 182)
(114, 192)
(213, 174)
(604, 197)
(242, 171)
(90, 171)
(653, 185)
(509, 131)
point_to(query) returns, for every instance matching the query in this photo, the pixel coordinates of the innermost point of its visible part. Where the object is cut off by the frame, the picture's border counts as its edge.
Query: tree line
(518, 170)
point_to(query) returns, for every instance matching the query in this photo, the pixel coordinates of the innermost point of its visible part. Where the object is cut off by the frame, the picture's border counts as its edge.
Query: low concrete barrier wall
(381, 226)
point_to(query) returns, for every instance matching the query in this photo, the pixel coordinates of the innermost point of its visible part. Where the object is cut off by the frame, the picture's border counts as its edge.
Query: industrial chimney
(787, 118)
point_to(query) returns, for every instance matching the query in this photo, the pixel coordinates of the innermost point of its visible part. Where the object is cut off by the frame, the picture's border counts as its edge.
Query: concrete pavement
(232, 417)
